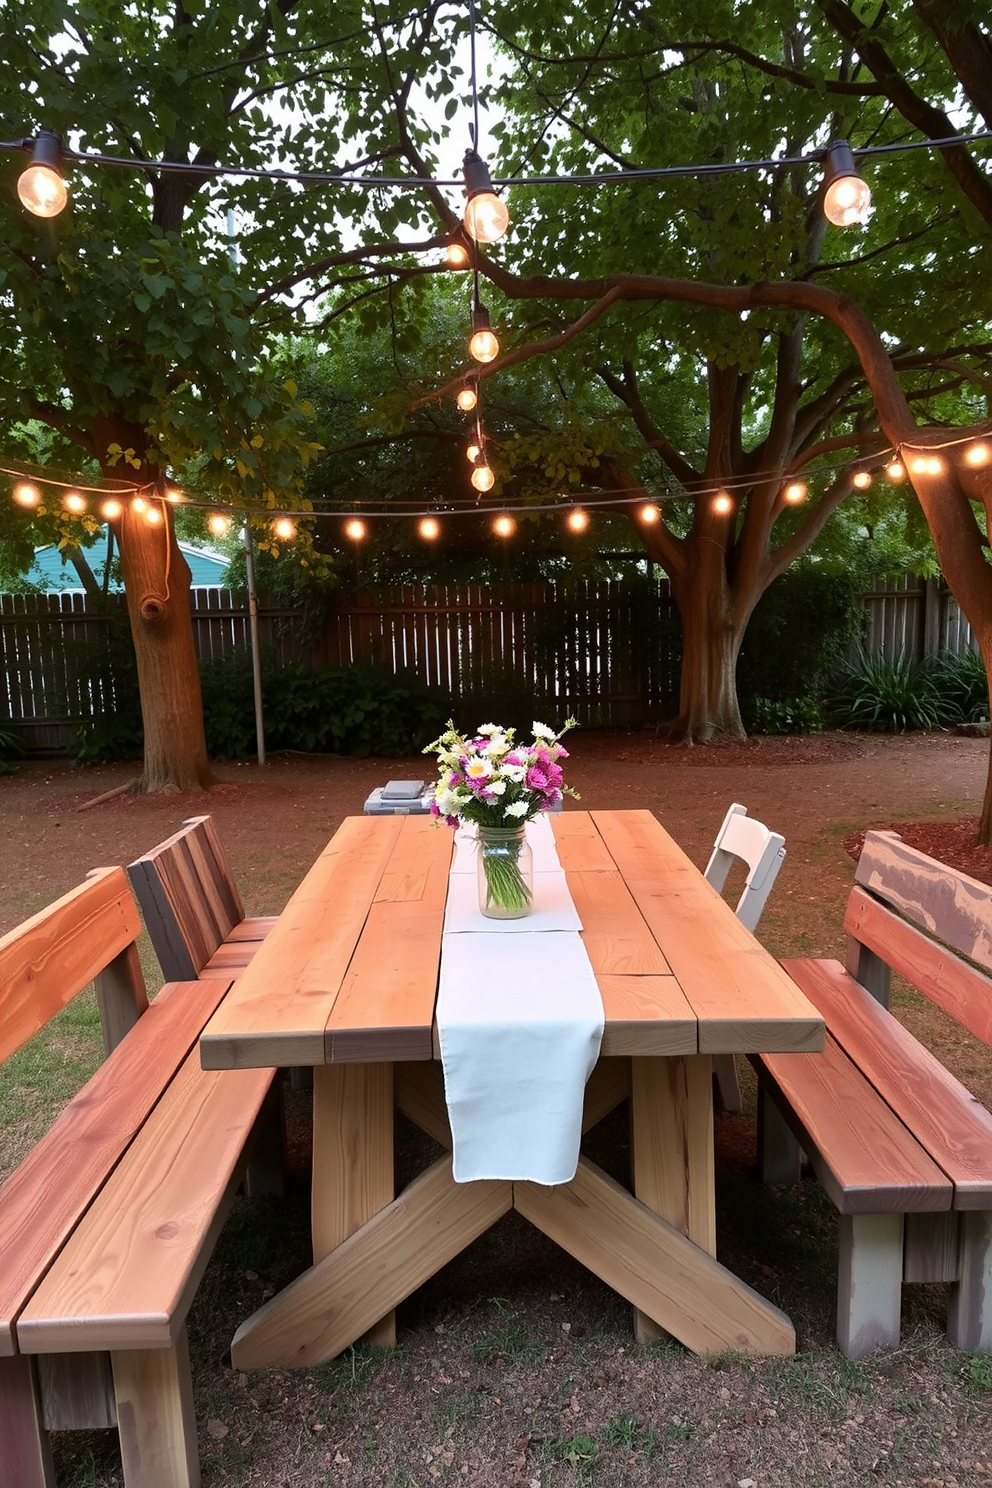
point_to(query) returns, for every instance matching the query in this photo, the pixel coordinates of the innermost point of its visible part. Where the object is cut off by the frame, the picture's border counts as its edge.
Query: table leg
(671, 1123)
(353, 1175)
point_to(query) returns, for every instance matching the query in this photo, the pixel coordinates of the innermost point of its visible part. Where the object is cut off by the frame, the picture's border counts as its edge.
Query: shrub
(789, 715)
(964, 685)
(885, 696)
(361, 710)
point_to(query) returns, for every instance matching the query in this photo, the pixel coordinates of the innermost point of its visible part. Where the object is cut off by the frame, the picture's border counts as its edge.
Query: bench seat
(107, 1224)
(902, 1147)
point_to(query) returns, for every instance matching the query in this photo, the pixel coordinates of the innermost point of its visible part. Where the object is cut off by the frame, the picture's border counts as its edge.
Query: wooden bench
(108, 1222)
(192, 909)
(902, 1147)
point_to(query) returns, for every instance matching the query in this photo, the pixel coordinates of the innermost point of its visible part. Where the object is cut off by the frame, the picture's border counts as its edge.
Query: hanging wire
(474, 75)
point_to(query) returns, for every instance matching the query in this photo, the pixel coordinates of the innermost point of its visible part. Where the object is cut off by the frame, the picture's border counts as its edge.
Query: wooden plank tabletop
(349, 974)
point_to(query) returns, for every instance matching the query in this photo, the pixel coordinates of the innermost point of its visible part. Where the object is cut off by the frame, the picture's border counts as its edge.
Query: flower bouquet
(500, 785)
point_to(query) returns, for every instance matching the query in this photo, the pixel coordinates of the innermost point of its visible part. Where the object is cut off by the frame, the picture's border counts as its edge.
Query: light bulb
(456, 254)
(794, 493)
(978, 454)
(935, 465)
(473, 452)
(173, 495)
(153, 516)
(40, 186)
(861, 480)
(284, 528)
(484, 346)
(429, 528)
(27, 495)
(467, 398)
(219, 524)
(504, 526)
(578, 520)
(355, 529)
(111, 509)
(486, 217)
(483, 478)
(723, 503)
(649, 514)
(846, 199)
(139, 505)
(896, 470)
(75, 502)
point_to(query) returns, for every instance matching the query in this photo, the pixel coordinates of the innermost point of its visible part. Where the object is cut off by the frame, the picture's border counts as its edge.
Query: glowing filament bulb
(284, 528)
(918, 465)
(978, 454)
(219, 524)
(896, 470)
(467, 398)
(504, 526)
(457, 254)
(473, 452)
(27, 495)
(578, 520)
(483, 478)
(861, 480)
(794, 493)
(139, 505)
(173, 495)
(723, 503)
(111, 509)
(40, 186)
(429, 528)
(649, 514)
(935, 465)
(484, 346)
(75, 502)
(153, 516)
(355, 529)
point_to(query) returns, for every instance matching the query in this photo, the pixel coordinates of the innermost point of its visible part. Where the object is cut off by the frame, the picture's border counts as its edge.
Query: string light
(219, 524)
(429, 528)
(173, 496)
(861, 480)
(139, 505)
(483, 478)
(649, 514)
(723, 503)
(978, 454)
(578, 520)
(40, 186)
(284, 528)
(473, 452)
(27, 495)
(355, 529)
(468, 395)
(795, 493)
(846, 197)
(504, 525)
(75, 502)
(456, 253)
(483, 346)
(486, 217)
(153, 516)
(111, 509)
(896, 470)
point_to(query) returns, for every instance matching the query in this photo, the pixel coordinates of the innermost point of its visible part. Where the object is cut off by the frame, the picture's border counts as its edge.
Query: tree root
(118, 790)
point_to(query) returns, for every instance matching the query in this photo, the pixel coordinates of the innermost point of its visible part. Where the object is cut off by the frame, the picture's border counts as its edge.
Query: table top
(349, 973)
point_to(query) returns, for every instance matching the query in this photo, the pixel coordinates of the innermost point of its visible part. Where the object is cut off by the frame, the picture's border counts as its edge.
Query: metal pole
(256, 664)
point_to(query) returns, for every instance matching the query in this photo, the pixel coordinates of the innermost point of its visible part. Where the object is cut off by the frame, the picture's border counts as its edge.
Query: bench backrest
(86, 936)
(188, 897)
(926, 921)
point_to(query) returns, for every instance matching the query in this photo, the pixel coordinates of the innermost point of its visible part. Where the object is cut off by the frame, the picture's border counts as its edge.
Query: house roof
(53, 574)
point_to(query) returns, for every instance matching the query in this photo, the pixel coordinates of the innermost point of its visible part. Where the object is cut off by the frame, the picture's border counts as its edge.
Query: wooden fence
(612, 661)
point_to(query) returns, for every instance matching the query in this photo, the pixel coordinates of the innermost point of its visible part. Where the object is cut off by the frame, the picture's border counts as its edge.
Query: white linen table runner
(520, 1023)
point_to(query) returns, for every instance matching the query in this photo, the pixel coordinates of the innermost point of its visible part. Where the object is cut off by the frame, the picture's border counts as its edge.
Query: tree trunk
(156, 583)
(712, 635)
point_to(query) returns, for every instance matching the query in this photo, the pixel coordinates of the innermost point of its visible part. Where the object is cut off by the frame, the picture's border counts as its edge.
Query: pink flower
(536, 778)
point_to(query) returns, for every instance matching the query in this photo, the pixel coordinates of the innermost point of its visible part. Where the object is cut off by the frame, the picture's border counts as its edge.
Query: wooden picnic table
(347, 982)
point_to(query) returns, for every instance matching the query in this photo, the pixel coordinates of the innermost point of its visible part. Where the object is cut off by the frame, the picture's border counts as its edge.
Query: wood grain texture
(969, 1314)
(254, 927)
(25, 1456)
(337, 1300)
(579, 845)
(156, 1418)
(45, 1196)
(944, 1117)
(52, 956)
(616, 939)
(869, 1288)
(126, 1276)
(951, 983)
(77, 1392)
(121, 997)
(655, 1267)
(948, 904)
(280, 1005)
(606, 1087)
(646, 1015)
(419, 1093)
(742, 999)
(930, 1247)
(861, 1152)
(385, 1008)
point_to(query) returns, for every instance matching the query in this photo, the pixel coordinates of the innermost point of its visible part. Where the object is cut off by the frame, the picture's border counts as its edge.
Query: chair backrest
(86, 936)
(188, 897)
(742, 836)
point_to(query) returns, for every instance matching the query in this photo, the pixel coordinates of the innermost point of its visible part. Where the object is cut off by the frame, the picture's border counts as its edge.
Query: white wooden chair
(743, 837)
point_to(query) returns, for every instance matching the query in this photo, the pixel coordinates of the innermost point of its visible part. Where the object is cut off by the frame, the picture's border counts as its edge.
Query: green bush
(885, 696)
(964, 685)
(799, 630)
(10, 745)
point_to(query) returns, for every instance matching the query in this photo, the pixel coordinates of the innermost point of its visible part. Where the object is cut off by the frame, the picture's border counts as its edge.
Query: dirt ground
(515, 1366)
